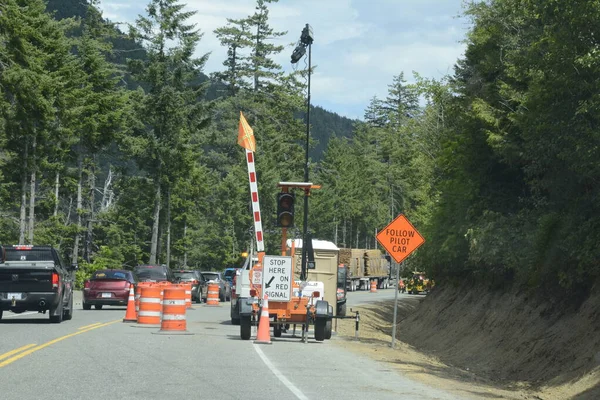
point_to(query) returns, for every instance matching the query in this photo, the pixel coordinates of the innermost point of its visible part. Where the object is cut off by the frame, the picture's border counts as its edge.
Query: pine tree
(97, 117)
(169, 112)
(34, 54)
(236, 37)
(262, 68)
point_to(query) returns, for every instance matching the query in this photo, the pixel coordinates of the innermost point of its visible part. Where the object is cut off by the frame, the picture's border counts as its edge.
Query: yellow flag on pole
(246, 135)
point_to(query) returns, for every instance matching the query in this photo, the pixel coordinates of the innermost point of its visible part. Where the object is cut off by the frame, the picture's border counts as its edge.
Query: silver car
(224, 286)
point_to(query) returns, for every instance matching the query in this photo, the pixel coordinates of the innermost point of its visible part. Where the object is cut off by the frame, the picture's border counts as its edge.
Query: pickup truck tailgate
(25, 280)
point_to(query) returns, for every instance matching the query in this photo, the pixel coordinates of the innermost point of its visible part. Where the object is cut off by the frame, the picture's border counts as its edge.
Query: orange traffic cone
(264, 330)
(130, 315)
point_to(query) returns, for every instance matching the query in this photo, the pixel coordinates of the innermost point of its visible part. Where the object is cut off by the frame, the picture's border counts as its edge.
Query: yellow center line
(41, 346)
(10, 353)
(89, 326)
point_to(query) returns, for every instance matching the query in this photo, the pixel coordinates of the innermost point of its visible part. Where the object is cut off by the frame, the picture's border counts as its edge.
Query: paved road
(97, 356)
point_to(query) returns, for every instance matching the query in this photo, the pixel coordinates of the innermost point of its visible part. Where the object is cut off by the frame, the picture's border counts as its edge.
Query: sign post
(277, 278)
(400, 238)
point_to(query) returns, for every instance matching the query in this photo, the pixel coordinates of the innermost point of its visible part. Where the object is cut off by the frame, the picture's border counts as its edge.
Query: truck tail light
(55, 280)
(316, 294)
(252, 292)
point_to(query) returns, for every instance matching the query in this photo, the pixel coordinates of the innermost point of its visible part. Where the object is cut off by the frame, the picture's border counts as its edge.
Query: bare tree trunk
(23, 216)
(90, 223)
(31, 224)
(56, 188)
(184, 243)
(169, 227)
(106, 191)
(344, 232)
(79, 209)
(256, 61)
(154, 242)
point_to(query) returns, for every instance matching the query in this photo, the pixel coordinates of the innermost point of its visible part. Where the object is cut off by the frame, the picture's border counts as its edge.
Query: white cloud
(359, 46)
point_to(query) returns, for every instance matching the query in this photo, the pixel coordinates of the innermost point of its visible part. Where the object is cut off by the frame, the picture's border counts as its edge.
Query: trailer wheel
(328, 329)
(320, 328)
(245, 327)
(277, 330)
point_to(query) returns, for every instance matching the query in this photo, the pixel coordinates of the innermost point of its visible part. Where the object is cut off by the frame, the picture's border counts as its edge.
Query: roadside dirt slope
(523, 347)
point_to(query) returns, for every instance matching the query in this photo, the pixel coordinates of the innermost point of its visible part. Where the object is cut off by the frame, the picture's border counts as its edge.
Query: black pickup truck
(34, 278)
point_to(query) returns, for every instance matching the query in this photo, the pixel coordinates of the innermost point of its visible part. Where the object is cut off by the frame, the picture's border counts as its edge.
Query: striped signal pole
(260, 245)
(247, 141)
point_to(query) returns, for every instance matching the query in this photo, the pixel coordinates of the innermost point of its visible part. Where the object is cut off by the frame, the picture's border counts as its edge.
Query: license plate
(106, 294)
(16, 296)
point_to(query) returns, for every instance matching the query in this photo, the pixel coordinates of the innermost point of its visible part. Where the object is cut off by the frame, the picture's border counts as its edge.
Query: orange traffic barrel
(212, 296)
(174, 307)
(150, 306)
(138, 294)
(188, 294)
(373, 286)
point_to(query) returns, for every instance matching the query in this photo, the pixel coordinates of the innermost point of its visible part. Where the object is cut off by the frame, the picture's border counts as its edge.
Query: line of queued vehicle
(110, 287)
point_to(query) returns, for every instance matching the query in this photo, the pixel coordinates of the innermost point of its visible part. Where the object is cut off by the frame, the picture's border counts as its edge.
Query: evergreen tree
(169, 111)
(262, 69)
(236, 37)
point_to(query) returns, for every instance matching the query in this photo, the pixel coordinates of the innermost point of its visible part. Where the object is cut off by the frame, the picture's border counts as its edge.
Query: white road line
(279, 375)
(20, 315)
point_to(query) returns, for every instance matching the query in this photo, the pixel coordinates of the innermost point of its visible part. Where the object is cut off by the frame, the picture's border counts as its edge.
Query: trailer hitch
(356, 318)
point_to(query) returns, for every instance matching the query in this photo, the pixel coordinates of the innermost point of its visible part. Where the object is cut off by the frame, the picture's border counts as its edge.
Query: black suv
(154, 273)
(34, 278)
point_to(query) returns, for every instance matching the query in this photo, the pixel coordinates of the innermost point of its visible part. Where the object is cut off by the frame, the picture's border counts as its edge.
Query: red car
(108, 287)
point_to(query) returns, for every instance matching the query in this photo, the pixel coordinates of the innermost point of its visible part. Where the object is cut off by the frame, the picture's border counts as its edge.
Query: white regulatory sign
(277, 278)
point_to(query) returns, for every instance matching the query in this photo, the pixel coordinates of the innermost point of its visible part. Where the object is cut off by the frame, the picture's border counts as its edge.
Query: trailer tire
(328, 329)
(320, 327)
(245, 328)
(277, 330)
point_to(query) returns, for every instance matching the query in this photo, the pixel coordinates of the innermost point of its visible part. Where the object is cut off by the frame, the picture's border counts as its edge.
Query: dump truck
(364, 266)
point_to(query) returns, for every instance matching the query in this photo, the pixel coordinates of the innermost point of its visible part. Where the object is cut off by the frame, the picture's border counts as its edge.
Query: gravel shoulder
(415, 357)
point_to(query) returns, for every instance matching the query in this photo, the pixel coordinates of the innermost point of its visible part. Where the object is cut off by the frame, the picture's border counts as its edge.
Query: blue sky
(359, 44)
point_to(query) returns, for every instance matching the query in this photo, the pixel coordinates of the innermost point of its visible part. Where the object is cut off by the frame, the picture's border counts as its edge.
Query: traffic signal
(285, 209)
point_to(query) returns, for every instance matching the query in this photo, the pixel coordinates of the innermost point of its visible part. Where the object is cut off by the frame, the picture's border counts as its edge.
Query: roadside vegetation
(118, 150)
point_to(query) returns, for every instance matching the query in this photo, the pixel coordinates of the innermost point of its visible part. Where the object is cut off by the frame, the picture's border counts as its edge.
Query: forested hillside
(324, 124)
(499, 170)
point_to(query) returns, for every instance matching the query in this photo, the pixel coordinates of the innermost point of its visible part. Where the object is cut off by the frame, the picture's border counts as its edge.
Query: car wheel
(87, 306)
(98, 306)
(57, 319)
(68, 313)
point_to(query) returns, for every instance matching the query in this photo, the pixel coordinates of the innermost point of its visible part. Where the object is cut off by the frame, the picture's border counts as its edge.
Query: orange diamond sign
(400, 238)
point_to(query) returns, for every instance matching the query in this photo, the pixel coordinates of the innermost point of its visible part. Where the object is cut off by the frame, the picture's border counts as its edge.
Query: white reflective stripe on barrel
(149, 314)
(174, 317)
(174, 302)
(149, 300)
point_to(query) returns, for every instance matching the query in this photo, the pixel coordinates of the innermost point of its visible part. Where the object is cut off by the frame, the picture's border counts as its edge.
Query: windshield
(33, 254)
(229, 273)
(185, 275)
(210, 276)
(99, 275)
(156, 274)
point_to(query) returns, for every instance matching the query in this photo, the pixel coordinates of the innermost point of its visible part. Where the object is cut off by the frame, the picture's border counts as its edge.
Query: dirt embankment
(501, 344)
